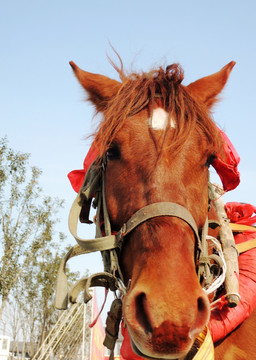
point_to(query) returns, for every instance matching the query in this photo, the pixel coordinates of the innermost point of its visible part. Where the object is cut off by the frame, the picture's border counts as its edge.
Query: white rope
(121, 287)
(221, 278)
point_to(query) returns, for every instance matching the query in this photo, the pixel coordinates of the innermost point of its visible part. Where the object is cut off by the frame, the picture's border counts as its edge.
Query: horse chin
(151, 354)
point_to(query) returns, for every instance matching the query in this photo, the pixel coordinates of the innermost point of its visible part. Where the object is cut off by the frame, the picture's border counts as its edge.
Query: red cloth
(76, 177)
(241, 213)
(227, 170)
(126, 348)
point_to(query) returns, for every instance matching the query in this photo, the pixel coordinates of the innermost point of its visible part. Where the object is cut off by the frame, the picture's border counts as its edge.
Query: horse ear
(207, 88)
(99, 88)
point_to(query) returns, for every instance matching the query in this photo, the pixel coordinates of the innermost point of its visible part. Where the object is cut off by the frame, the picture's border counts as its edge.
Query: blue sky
(41, 104)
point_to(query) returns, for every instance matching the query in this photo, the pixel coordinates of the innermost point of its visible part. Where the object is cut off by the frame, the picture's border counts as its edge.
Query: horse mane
(140, 90)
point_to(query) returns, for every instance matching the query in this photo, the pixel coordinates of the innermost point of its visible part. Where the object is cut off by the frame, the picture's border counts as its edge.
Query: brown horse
(159, 140)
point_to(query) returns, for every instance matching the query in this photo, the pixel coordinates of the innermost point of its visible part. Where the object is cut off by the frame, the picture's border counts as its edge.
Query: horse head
(159, 140)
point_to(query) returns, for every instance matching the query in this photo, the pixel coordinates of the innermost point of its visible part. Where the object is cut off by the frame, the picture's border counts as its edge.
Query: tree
(35, 293)
(27, 218)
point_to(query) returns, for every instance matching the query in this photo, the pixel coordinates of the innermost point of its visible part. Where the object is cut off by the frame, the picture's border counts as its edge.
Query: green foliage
(29, 254)
(35, 292)
(27, 217)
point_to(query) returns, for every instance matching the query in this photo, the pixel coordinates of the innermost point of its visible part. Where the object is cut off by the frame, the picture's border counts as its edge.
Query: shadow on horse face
(158, 138)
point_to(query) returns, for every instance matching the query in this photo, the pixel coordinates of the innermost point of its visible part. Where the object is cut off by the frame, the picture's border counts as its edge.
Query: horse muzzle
(161, 328)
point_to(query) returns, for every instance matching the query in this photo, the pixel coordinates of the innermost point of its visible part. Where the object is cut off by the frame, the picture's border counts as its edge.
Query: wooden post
(228, 246)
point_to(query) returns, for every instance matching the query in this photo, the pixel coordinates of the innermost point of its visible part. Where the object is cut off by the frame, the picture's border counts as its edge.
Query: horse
(158, 140)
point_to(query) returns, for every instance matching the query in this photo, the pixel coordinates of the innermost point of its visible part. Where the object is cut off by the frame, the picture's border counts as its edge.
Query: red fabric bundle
(76, 177)
(241, 213)
(227, 170)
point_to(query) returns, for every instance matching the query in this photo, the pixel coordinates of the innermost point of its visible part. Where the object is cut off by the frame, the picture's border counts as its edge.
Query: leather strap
(245, 246)
(61, 297)
(115, 241)
(102, 279)
(89, 245)
(156, 210)
(241, 228)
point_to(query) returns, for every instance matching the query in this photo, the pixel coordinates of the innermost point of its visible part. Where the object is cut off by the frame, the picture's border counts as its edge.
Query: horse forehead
(160, 119)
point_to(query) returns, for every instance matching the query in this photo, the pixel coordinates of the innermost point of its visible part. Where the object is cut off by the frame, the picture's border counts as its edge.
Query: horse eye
(113, 153)
(210, 160)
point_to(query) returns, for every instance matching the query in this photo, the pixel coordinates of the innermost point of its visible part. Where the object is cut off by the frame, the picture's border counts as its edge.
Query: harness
(111, 244)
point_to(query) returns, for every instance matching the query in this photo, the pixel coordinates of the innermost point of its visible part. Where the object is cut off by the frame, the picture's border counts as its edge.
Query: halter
(111, 244)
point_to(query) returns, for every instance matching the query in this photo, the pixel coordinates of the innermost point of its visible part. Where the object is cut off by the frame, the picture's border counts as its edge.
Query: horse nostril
(203, 314)
(142, 312)
(201, 305)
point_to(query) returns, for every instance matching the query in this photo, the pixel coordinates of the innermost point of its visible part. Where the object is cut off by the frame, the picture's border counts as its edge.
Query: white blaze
(159, 120)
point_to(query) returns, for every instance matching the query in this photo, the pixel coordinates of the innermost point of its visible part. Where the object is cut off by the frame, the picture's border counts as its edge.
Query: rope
(222, 264)
(102, 307)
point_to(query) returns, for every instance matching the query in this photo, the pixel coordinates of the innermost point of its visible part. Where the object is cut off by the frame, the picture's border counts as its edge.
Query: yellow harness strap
(241, 228)
(247, 245)
(205, 346)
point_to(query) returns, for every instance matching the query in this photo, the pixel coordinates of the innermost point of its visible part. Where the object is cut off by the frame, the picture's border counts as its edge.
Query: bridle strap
(146, 213)
(94, 183)
(89, 245)
(155, 210)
